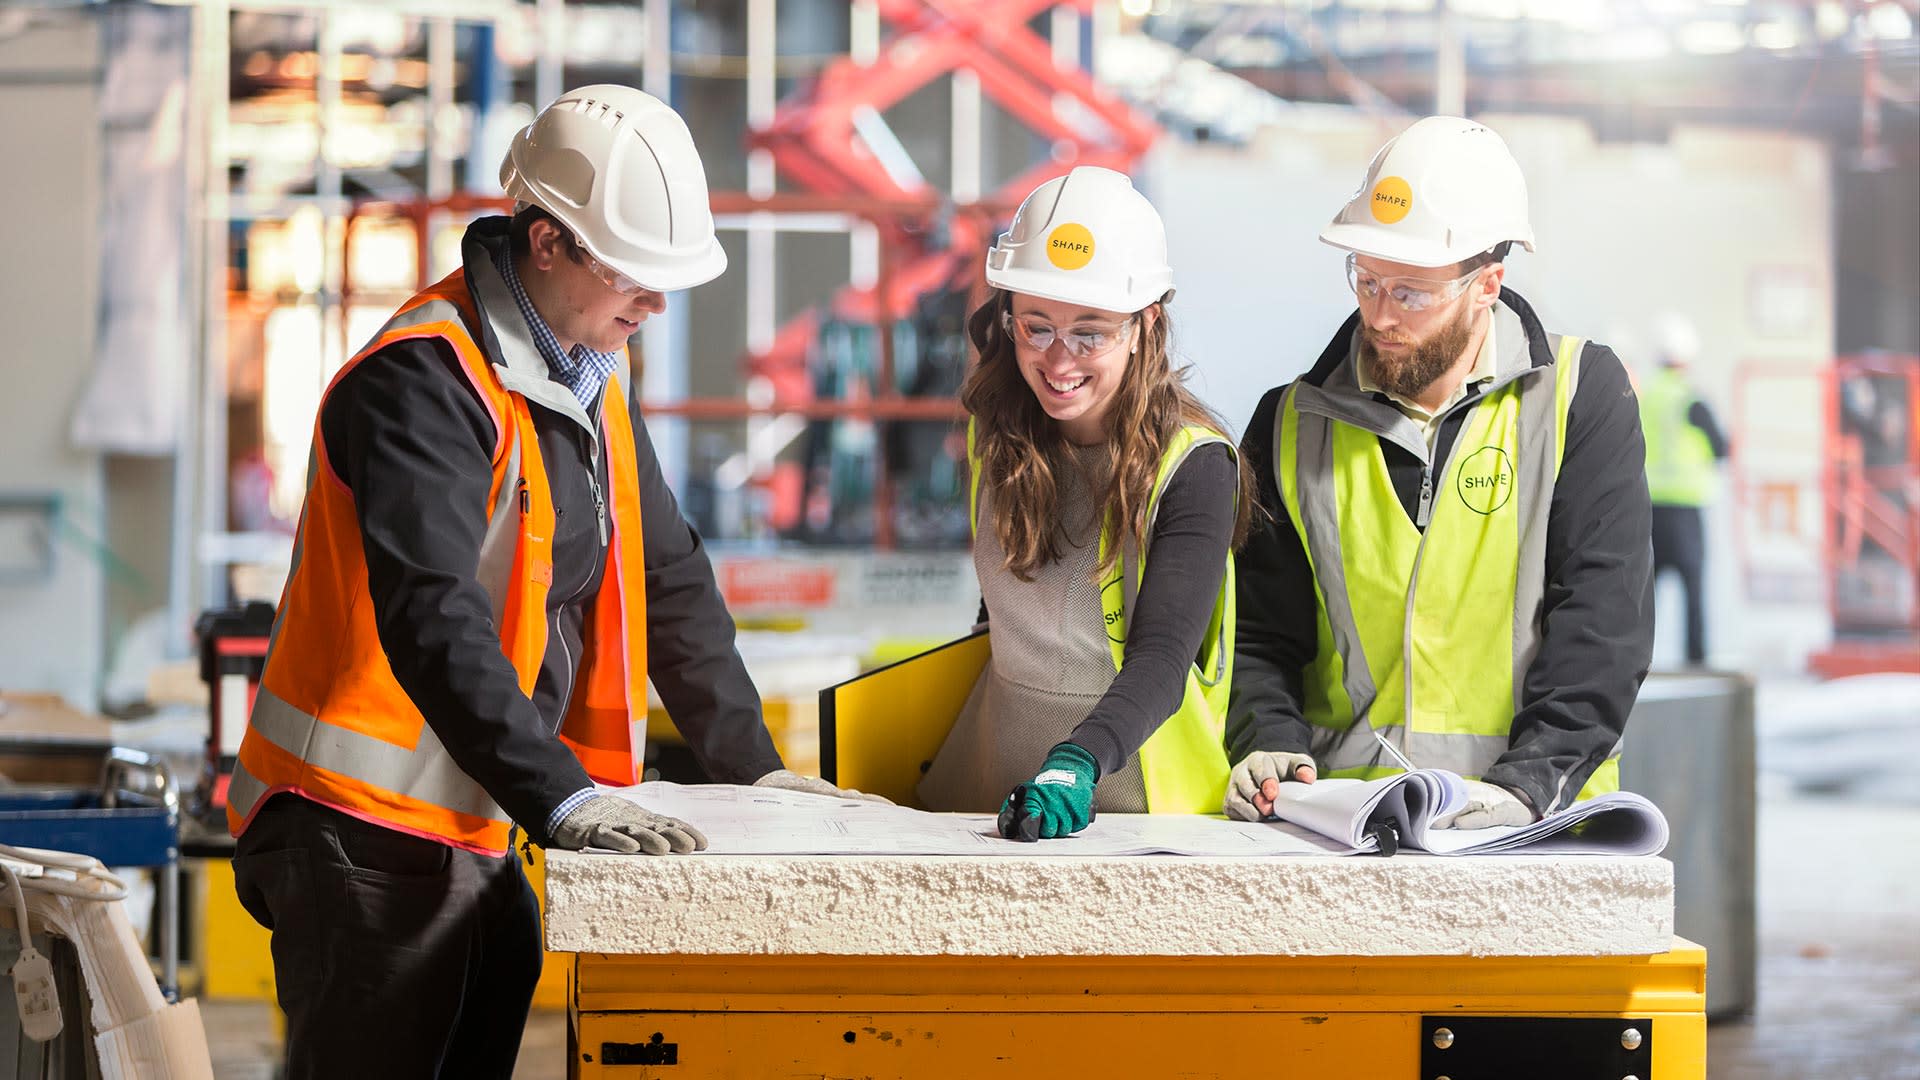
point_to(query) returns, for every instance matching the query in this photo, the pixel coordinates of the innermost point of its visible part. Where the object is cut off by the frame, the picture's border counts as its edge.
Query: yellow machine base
(1365, 1018)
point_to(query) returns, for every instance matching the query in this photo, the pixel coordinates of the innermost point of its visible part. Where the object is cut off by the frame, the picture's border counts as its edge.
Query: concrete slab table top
(1022, 905)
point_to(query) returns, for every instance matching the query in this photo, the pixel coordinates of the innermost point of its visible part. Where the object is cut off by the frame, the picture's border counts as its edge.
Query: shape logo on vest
(1111, 610)
(1070, 246)
(1485, 480)
(1392, 198)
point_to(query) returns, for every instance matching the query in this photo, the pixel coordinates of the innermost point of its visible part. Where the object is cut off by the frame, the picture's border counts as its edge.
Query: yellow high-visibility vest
(1426, 634)
(1183, 764)
(1680, 461)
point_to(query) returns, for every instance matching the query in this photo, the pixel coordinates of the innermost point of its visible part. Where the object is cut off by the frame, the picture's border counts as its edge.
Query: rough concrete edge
(1142, 906)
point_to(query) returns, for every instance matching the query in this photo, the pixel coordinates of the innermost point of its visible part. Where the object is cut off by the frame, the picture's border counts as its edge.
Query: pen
(1396, 754)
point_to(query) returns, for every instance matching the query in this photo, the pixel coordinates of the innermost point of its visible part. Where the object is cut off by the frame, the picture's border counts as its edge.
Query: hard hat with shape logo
(1085, 238)
(1444, 190)
(618, 168)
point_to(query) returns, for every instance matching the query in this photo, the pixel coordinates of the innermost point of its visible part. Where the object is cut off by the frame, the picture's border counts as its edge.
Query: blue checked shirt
(582, 371)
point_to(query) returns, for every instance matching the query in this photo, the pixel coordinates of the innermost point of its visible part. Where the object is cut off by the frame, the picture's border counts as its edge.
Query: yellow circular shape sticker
(1392, 198)
(1070, 246)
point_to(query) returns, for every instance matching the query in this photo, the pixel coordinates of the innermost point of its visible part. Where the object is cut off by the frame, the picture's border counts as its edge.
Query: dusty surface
(1152, 905)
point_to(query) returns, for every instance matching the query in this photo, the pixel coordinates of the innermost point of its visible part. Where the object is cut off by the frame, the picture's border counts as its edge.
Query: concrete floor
(1839, 887)
(1839, 972)
(1839, 904)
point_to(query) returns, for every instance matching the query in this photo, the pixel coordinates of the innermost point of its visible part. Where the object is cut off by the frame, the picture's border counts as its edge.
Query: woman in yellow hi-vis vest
(1105, 503)
(1458, 572)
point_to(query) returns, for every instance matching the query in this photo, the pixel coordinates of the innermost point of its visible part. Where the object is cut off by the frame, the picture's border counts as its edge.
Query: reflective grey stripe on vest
(1320, 517)
(244, 790)
(497, 546)
(1133, 564)
(1537, 469)
(425, 773)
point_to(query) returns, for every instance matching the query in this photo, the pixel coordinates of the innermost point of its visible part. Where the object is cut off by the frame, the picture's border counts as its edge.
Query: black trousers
(1680, 544)
(395, 956)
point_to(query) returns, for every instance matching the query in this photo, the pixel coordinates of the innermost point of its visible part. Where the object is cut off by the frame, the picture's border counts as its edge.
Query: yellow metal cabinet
(235, 959)
(977, 1018)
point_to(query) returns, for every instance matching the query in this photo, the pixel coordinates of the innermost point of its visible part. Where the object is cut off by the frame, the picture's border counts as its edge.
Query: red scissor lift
(1871, 488)
(815, 143)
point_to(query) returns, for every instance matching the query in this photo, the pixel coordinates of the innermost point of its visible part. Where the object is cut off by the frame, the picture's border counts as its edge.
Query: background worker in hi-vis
(1455, 570)
(1684, 450)
(1105, 502)
(489, 568)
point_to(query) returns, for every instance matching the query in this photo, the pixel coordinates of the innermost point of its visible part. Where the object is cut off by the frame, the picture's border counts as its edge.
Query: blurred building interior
(214, 203)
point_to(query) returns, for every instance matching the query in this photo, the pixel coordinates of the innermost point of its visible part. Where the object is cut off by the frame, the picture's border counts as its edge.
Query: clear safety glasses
(1409, 293)
(1080, 342)
(614, 279)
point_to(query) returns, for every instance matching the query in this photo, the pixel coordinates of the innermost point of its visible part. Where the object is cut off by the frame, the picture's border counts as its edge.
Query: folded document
(1359, 813)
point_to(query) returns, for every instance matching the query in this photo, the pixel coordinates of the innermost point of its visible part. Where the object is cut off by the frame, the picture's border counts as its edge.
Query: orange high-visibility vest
(330, 722)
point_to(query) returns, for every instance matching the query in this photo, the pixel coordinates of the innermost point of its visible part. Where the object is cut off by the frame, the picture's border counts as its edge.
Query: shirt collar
(581, 370)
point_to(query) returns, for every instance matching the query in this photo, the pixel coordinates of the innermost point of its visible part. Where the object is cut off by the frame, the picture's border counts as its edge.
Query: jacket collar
(507, 341)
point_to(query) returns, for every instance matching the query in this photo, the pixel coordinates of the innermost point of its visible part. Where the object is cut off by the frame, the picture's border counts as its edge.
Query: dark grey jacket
(1596, 637)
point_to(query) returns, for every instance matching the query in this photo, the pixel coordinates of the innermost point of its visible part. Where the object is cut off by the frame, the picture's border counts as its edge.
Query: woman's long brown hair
(1022, 450)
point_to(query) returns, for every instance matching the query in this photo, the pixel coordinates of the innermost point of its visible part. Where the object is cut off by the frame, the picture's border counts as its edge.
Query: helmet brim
(684, 273)
(1410, 251)
(1051, 286)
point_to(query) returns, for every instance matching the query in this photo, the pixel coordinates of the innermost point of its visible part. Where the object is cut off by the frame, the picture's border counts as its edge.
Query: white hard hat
(1442, 191)
(618, 168)
(1085, 238)
(1675, 338)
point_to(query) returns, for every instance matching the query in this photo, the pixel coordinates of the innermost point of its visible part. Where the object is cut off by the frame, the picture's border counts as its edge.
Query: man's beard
(1407, 374)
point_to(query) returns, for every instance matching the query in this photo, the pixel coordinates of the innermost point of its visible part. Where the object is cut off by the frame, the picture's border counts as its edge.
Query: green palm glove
(1057, 802)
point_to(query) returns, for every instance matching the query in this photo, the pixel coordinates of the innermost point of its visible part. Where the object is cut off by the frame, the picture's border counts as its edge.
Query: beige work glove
(618, 825)
(789, 780)
(1255, 782)
(1487, 805)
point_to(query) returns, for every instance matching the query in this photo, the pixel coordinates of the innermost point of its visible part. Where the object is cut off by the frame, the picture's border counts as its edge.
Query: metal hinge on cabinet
(1535, 1048)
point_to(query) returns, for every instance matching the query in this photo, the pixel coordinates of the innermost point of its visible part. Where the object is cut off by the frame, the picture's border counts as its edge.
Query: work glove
(1487, 805)
(789, 780)
(1255, 782)
(1057, 802)
(615, 824)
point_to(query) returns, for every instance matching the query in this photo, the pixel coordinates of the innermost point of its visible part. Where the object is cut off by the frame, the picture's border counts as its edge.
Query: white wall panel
(51, 626)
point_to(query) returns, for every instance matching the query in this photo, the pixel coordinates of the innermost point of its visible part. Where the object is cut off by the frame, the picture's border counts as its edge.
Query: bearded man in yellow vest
(488, 569)
(1454, 570)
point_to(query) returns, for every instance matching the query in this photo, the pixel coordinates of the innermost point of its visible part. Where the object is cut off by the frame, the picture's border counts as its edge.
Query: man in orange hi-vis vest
(489, 568)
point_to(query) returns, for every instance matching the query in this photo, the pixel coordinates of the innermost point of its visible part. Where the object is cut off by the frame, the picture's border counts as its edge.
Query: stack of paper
(1620, 823)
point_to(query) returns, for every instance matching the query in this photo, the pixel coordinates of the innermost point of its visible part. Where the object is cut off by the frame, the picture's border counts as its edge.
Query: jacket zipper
(600, 519)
